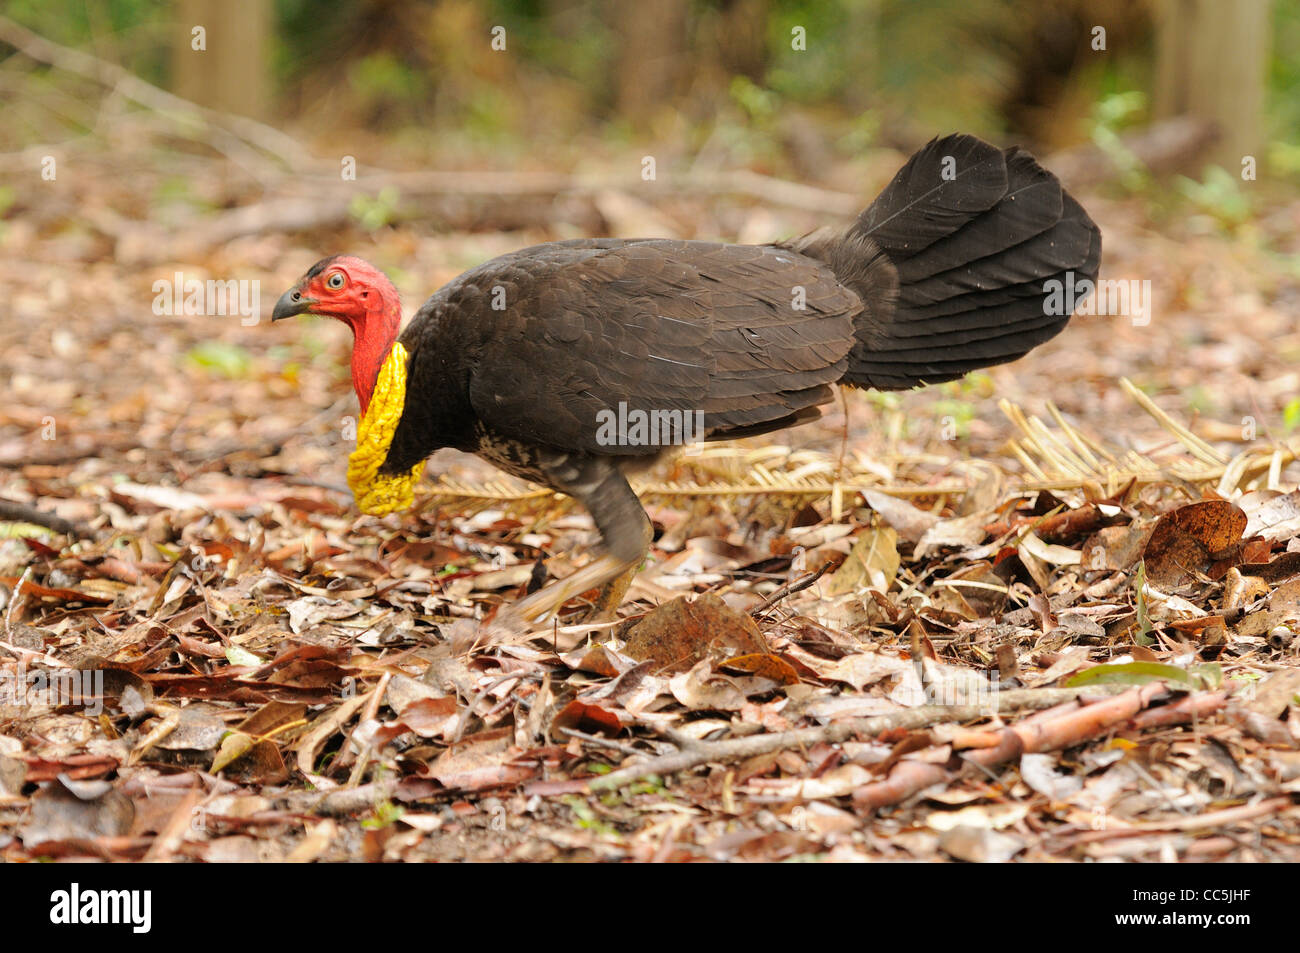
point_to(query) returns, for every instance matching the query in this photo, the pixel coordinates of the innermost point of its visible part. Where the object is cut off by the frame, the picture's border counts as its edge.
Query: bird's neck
(371, 343)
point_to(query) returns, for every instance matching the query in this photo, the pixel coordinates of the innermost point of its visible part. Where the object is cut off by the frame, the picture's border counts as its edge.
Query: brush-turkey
(530, 359)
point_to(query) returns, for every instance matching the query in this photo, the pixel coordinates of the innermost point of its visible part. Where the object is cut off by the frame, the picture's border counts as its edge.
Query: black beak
(292, 302)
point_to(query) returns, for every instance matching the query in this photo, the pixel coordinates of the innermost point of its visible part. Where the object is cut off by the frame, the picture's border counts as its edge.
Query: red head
(362, 297)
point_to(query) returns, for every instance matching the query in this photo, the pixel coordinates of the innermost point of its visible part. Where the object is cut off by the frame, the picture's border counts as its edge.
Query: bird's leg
(599, 485)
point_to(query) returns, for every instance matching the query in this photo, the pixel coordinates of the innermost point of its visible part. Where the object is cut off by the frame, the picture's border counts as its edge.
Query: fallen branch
(14, 511)
(1163, 147)
(1035, 735)
(342, 801)
(1116, 828)
(242, 135)
(695, 753)
(465, 198)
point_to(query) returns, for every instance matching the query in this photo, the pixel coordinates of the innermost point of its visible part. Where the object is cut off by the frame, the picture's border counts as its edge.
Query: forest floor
(1058, 627)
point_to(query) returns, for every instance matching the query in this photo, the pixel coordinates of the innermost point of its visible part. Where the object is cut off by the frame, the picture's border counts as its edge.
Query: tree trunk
(653, 64)
(1211, 57)
(232, 72)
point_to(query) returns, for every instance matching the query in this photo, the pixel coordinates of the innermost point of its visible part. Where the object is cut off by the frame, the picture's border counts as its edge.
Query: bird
(572, 364)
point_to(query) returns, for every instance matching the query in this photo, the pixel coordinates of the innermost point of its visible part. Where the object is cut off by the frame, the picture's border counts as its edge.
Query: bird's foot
(611, 596)
(517, 623)
(505, 627)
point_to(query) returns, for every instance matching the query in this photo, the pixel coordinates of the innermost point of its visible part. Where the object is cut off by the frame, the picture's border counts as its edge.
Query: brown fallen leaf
(1193, 539)
(871, 564)
(597, 660)
(314, 843)
(591, 719)
(1275, 570)
(431, 717)
(701, 689)
(254, 734)
(764, 665)
(61, 594)
(911, 522)
(62, 811)
(481, 761)
(1117, 548)
(682, 632)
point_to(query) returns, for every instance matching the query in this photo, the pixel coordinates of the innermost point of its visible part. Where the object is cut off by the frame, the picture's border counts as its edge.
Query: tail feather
(919, 316)
(935, 366)
(952, 263)
(1031, 205)
(998, 320)
(1020, 319)
(940, 189)
(1063, 246)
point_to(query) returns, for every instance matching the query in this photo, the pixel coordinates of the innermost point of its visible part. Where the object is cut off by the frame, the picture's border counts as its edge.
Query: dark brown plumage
(518, 359)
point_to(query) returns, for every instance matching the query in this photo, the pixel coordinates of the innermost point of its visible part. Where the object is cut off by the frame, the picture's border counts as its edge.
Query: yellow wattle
(376, 494)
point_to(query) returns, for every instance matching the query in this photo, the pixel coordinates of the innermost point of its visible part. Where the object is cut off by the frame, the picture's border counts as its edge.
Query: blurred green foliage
(221, 358)
(1219, 195)
(1110, 116)
(373, 213)
(417, 72)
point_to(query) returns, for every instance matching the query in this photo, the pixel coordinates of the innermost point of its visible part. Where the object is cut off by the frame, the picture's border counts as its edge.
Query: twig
(69, 453)
(22, 513)
(125, 83)
(1223, 818)
(344, 800)
(15, 600)
(601, 742)
(371, 711)
(697, 753)
(1062, 731)
(1218, 820)
(790, 588)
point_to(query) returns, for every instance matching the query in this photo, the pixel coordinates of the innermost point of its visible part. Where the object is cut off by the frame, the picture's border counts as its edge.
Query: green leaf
(1291, 414)
(1144, 636)
(377, 212)
(386, 813)
(237, 656)
(1210, 674)
(19, 530)
(220, 357)
(1131, 673)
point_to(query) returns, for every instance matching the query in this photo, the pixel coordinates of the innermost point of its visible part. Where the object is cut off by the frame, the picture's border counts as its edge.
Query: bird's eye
(335, 281)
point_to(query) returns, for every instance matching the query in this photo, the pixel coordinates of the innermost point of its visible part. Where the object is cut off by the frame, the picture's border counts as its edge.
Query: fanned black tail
(953, 263)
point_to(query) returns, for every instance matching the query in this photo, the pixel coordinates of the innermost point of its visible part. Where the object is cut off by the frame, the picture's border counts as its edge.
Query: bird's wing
(749, 335)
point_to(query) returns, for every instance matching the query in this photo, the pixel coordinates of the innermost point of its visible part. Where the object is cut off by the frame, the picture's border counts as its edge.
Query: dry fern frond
(1054, 455)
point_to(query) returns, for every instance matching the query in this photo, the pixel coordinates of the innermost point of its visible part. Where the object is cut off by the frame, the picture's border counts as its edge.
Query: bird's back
(554, 337)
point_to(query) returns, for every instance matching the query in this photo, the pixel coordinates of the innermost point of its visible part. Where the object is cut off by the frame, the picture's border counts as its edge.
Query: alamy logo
(180, 295)
(1130, 299)
(634, 427)
(83, 688)
(74, 905)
